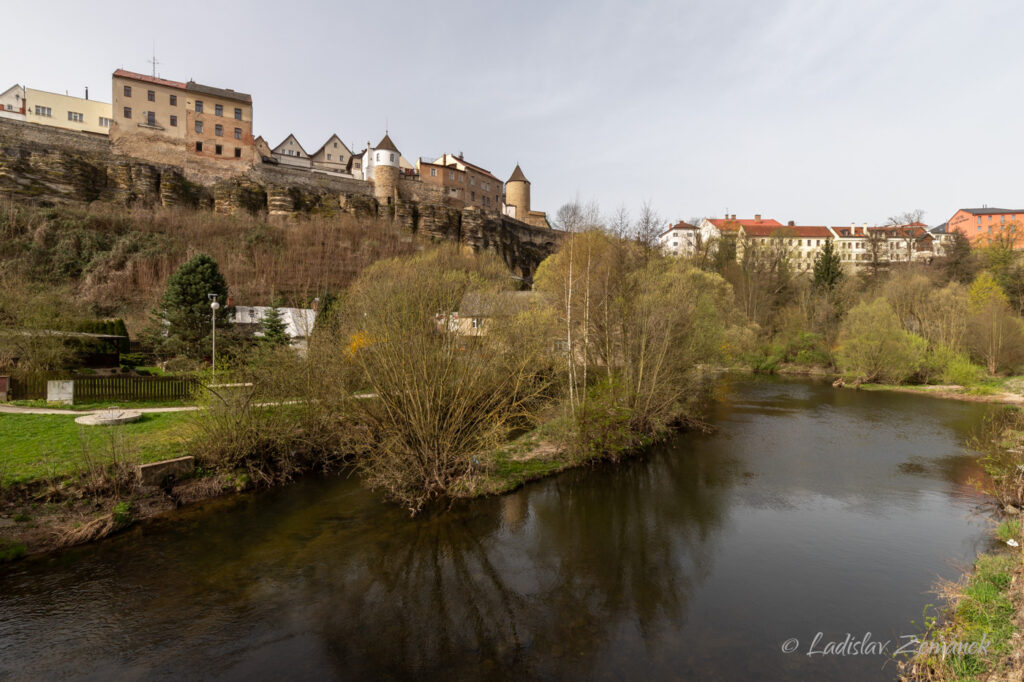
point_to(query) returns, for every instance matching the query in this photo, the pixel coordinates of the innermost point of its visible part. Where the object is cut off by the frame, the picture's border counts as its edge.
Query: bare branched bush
(441, 394)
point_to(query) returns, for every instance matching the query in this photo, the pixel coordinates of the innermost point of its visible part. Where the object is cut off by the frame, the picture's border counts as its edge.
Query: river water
(806, 510)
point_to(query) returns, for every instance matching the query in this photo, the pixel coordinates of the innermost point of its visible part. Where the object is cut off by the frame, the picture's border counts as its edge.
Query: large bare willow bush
(637, 329)
(443, 392)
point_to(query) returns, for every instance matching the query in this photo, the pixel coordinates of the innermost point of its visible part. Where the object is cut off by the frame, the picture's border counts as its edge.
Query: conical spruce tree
(828, 267)
(185, 305)
(275, 329)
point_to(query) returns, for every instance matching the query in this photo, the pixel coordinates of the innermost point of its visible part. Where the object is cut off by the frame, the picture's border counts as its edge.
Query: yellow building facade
(69, 113)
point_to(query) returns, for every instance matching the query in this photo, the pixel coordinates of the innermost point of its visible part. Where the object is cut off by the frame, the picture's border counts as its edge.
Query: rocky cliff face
(49, 166)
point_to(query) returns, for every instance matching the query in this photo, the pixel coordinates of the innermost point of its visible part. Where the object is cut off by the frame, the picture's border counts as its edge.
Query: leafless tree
(648, 226)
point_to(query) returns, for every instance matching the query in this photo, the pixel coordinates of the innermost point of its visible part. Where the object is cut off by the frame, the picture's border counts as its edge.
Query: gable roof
(681, 225)
(13, 87)
(291, 136)
(518, 176)
(192, 86)
(324, 146)
(735, 224)
(795, 231)
(386, 144)
(149, 79)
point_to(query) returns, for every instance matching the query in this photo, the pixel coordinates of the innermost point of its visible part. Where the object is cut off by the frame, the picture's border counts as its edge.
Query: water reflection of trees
(536, 583)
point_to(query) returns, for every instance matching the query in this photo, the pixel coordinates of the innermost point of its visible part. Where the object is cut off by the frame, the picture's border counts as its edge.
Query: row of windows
(43, 111)
(219, 150)
(173, 101)
(218, 130)
(218, 110)
(1002, 219)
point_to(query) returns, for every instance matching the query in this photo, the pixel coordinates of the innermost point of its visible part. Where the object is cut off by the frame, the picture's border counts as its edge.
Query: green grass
(9, 550)
(1008, 530)
(41, 446)
(89, 407)
(983, 611)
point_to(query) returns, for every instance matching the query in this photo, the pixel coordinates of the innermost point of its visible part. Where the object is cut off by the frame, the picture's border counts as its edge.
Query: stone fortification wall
(48, 166)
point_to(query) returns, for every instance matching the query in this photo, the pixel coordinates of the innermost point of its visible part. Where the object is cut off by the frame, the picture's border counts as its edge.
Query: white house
(332, 157)
(291, 153)
(299, 322)
(12, 102)
(681, 239)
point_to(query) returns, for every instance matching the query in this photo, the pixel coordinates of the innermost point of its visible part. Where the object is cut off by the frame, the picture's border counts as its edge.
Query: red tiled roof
(729, 224)
(787, 230)
(148, 79)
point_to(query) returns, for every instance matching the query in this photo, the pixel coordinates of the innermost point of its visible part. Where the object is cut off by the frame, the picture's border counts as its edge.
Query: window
(174, 121)
(472, 180)
(218, 109)
(392, 157)
(104, 122)
(218, 130)
(199, 146)
(238, 153)
(127, 112)
(151, 95)
(218, 149)
(328, 157)
(238, 133)
(199, 106)
(472, 196)
(335, 144)
(238, 116)
(150, 118)
(378, 156)
(174, 100)
(477, 323)
(127, 91)
(75, 116)
(451, 175)
(433, 172)
(199, 126)
(43, 111)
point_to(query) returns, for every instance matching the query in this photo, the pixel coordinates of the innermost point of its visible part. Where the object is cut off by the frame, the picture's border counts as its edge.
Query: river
(807, 509)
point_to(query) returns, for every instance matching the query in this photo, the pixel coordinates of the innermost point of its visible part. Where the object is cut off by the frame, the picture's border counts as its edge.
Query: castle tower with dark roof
(386, 171)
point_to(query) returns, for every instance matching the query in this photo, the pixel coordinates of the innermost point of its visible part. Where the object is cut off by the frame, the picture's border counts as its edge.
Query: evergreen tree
(185, 304)
(960, 264)
(275, 329)
(828, 267)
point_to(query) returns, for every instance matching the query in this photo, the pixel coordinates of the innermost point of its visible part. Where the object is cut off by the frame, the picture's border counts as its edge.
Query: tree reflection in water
(537, 582)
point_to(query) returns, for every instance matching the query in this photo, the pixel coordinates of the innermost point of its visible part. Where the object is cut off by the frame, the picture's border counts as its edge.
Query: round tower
(386, 171)
(517, 194)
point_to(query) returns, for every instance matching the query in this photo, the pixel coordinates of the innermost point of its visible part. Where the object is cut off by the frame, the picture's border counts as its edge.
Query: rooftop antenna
(154, 61)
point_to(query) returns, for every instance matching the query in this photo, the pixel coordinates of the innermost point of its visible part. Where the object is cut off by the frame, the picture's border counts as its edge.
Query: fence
(100, 389)
(156, 389)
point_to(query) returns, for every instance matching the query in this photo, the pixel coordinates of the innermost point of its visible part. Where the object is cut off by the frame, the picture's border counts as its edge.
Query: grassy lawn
(38, 446)
(89, 407)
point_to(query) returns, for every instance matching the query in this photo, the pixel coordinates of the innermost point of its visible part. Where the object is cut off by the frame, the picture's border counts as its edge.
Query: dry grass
(119, 259)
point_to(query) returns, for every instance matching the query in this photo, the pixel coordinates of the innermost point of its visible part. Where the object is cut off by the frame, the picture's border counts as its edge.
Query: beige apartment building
(174, 122)
(70, 113)
(149, 117)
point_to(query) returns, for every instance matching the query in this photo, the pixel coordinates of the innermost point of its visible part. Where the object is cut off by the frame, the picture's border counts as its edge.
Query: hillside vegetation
(111, 262)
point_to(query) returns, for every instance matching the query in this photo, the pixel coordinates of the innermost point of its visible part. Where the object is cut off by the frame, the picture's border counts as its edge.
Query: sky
(820, 112)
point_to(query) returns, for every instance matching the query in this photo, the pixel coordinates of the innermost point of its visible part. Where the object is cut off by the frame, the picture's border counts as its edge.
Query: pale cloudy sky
(819, 112)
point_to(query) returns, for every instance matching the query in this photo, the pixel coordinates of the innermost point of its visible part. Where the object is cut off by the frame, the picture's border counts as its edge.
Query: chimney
(852, 225)
(757, 217)
(87, 92)
(791, 223)
(732, 217)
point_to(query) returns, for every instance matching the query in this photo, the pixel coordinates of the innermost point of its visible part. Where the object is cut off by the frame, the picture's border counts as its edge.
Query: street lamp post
(214, 306)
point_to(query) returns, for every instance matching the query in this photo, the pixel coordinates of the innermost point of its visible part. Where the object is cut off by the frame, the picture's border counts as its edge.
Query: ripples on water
(807, 509)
